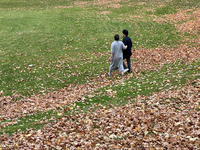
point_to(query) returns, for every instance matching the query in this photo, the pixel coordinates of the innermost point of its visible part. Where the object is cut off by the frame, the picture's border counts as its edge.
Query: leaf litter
(165, 120)
(185, 21)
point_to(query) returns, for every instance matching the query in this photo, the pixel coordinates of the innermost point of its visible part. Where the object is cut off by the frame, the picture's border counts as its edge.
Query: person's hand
(110, 59)
(126, 46)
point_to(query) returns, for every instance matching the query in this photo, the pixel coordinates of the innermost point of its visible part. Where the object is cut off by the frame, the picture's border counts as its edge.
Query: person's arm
(112, 52)
(125, 43)
(111, 57)
(124, 47)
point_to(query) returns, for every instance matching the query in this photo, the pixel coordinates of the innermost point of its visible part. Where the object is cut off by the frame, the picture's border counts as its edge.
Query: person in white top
(116, 57)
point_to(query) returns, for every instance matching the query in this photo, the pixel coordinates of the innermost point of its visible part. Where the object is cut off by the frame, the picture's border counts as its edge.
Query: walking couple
(121, 50)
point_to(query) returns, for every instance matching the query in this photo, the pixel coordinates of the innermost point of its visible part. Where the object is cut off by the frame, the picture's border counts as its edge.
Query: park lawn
(50, 46)
(47, 46)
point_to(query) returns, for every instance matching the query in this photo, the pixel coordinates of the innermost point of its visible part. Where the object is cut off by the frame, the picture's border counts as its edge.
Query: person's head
(116, 37)
(125, 32)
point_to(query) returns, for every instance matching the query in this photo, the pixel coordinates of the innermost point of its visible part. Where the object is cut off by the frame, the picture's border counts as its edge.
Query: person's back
(128, 52)
(127, 41)
(116, 58)
(117, 49)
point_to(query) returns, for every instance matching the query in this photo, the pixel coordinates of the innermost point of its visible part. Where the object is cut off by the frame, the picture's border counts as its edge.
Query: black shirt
(127, 41)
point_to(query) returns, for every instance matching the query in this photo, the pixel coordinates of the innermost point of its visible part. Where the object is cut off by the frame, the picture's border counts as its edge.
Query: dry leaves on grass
(51, 101)
(165, 120)
(105, 2)
(150, 59)
(179, 16)
(111, 3)
(113, 6)
(191, 18)
(104, 12)
(146, 60)
(14, 109)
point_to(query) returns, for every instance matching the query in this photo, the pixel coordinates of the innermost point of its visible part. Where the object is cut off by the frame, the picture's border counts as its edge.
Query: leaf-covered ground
(146, 60)
(168, 119)
(165, 120)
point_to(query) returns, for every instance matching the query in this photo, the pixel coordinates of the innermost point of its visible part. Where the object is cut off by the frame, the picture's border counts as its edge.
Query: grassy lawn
(49, 45)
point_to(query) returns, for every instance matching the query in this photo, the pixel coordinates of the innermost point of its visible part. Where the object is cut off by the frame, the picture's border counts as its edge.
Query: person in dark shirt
(128, 52)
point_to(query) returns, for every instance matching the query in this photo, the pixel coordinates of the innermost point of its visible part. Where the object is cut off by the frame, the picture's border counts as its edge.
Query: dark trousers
(128, 63)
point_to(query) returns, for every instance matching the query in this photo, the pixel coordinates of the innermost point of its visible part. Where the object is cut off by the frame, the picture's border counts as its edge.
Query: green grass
(49, 44)
(34, 121)
(59, 43)
(36, 4)
(43, 48)
(171, 76)
(187, 4)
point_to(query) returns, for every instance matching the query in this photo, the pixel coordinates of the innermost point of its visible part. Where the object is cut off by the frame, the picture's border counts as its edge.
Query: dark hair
(125, 32)
(116, 37)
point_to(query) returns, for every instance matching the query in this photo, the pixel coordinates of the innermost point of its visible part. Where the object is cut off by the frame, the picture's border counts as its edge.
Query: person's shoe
(122, 73)
(125, 70)
(109, 74)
